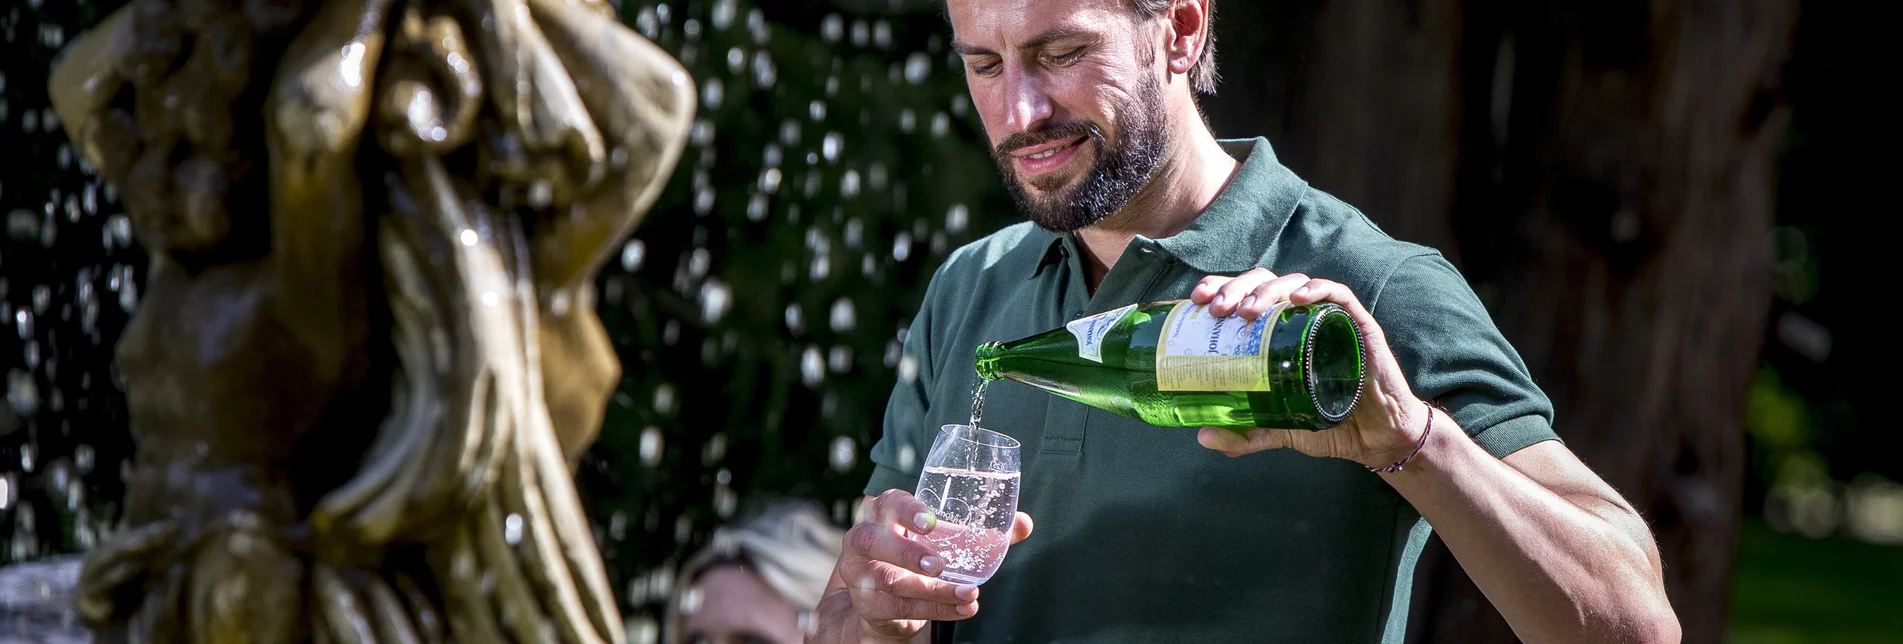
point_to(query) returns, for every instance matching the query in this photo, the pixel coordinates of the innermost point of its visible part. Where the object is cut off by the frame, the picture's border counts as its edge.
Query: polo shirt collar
(1230, 235)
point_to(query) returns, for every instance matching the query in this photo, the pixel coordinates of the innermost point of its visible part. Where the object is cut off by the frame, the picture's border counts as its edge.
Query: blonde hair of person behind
(789, 544)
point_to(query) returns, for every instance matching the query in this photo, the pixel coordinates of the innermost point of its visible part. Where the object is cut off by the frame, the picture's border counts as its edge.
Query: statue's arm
(642, 102)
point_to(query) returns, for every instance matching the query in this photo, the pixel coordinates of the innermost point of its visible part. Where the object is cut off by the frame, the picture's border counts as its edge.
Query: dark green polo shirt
(1142, 534)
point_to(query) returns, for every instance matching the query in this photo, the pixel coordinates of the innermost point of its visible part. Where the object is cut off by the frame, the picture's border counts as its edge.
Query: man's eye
(1068, 57)
(984, 69)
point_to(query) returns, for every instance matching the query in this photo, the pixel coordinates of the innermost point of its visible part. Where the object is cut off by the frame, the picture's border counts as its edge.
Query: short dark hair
(1202, 76)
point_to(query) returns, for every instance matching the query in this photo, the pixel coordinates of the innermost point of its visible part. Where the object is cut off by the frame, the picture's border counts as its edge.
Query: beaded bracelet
(1397, 465)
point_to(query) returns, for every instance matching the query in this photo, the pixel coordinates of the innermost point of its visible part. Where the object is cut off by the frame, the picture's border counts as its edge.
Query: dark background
(1671, 208)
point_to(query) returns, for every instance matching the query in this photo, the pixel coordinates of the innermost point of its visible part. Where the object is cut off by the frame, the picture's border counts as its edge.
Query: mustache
(1067, 130)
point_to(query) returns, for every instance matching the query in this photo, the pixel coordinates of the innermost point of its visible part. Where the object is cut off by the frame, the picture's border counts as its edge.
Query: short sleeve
(899, 455)
(1454, 355)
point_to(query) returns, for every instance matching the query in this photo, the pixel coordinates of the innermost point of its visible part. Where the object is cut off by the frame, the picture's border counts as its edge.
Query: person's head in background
(759, 579)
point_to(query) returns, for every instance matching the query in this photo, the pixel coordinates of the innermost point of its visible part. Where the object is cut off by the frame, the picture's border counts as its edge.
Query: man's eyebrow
(1054, 34)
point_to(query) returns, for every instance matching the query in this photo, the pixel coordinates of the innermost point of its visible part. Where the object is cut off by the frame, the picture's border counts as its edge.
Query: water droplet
(646, 23)
(832, 28)
(128, 295)
(941, 124)
(795, 319)
(918, 67)
(882, 34)
(860, 32)
(723, 13)
(715, 300)
(844, 453)
(512, 529)
(711, 93)
(29, 457)
(691, 29)
(764, 71)
(83, 459)
(901, 246)
(736, 60)
(832, 145)
(849, 184)
(8, 491)
(844, 317)
(690, 598)
(907, 456)
(541, 193)
(839, 358)
(121, 227)
(664, 398)
(489, 298)
(632, 254)
(816, 110)
(757, 205)
(957, 217)
(703, 201)
(651, 446)
(908, 369)
(812, 367)
(756, 25)
(699, 262)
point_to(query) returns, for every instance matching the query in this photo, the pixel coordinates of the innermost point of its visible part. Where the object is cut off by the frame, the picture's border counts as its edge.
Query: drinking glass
(971, 484)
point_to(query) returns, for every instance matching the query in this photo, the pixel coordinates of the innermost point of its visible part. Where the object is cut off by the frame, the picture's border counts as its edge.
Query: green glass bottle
(1171, 364)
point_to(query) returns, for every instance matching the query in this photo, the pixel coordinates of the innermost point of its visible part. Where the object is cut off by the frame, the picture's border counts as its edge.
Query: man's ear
(1188, 22)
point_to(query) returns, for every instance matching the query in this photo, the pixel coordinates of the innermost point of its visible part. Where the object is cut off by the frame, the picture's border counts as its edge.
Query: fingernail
(1218, 300)
(1301, 291)
(931, 563)
(967, 609)
(924, 521)
(966, 592)
(1245, 303)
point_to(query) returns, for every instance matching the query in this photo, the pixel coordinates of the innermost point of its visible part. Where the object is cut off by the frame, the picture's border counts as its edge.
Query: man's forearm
(1573, 564)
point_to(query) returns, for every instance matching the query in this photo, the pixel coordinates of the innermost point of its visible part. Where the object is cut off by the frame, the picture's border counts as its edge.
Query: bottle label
(1091, 330)
(1205, 353)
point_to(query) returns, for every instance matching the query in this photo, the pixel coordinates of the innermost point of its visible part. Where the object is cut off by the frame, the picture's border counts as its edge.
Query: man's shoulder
(1017, 248)
(1328, 237)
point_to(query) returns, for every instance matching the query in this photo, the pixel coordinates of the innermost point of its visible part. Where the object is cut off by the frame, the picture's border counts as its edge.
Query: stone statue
(368, 357)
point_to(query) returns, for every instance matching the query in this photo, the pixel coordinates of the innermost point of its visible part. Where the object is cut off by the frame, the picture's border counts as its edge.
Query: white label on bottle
(1091, 330)
(1206, 353)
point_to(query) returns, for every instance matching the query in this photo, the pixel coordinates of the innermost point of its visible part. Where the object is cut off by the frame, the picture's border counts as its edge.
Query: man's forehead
(1009, 23)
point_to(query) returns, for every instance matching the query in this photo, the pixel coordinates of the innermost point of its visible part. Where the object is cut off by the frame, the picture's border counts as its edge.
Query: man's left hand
(1387, 423)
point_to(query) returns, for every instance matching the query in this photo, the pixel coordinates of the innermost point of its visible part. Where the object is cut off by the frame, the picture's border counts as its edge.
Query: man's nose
(1026, 104)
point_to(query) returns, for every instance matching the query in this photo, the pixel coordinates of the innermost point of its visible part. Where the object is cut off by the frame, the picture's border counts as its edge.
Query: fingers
(1373, 339)
(888, 592)
(1222, 293)
(1265, 296)
(1232, 443)
(884, 543)
(1020, 527)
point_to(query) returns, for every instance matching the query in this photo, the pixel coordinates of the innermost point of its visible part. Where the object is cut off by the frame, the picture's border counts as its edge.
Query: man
(1090, 108)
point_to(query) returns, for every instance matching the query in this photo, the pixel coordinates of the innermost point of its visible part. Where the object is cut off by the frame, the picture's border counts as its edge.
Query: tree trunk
(1603, 173)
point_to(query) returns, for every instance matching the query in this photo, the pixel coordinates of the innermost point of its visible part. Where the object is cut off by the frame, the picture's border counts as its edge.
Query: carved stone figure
(368, 355)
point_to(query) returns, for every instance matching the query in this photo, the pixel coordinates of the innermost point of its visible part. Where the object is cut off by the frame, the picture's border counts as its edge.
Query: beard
(1119, 170)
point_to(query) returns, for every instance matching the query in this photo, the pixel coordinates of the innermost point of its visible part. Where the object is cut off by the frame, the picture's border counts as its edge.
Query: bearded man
(1147, 535)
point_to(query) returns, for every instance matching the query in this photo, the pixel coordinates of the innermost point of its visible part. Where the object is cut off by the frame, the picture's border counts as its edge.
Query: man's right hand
(886, 586)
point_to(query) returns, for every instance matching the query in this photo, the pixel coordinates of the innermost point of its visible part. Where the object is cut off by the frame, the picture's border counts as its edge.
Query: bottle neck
(988, 361)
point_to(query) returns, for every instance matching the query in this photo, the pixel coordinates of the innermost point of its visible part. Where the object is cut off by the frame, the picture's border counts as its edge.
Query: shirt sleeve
(899, 455)
(1454, 355)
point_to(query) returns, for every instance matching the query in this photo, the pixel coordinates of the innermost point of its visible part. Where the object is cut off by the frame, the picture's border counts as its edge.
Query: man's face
(1070, 92)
